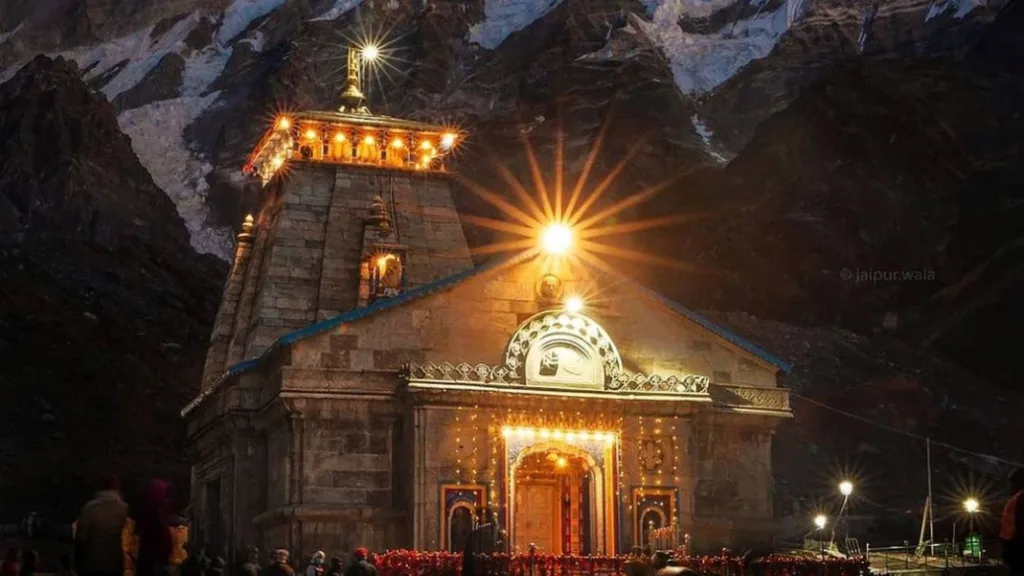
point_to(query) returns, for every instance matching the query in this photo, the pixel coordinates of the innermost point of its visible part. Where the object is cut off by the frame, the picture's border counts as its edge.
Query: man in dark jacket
(280, 567)
(361, 564)
(1011, 528)
(337, 567)
(251, 566)
(99, 550)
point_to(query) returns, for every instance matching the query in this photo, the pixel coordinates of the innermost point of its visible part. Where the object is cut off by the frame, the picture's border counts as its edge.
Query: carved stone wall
(305, 261)
(349, 462)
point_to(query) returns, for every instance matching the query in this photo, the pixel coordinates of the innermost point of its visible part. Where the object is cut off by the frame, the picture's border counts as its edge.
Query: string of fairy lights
(484, 461)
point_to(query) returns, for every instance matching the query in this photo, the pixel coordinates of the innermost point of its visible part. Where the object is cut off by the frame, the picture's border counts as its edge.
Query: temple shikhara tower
(367, 385)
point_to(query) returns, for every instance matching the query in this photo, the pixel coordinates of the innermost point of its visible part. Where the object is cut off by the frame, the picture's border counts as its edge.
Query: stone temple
(367, 385)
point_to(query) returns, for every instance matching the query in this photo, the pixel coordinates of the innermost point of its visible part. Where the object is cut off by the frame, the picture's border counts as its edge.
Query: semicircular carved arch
(560, 324)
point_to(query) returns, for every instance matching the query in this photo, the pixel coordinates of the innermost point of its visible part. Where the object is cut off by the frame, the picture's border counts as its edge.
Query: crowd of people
(279, 566)
(99, 548)
(18, 562)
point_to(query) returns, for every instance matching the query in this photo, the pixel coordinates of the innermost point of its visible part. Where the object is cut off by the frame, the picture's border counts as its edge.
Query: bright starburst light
(370, 52)
(379, 54)
(556, 239)
(560, 222)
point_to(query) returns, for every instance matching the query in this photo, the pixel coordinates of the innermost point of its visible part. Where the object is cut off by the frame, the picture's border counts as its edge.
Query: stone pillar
(216, 356)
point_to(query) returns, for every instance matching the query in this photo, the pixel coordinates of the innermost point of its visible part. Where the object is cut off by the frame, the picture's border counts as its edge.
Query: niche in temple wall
(382, 274)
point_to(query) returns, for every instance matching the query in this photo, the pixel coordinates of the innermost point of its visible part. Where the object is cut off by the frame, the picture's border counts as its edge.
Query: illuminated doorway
(561, 495)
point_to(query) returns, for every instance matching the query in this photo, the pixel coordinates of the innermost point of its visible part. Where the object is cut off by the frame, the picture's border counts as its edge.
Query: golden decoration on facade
(352, 136)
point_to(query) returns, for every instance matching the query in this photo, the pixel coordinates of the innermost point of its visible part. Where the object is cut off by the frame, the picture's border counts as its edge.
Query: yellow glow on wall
(569, 436)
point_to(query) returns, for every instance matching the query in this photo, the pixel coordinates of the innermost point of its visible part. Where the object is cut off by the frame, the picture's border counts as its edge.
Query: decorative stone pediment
(559, 350)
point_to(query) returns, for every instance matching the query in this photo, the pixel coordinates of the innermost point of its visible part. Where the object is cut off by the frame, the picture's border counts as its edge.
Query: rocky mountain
(887, 193)
(863, 406)
(105, 309)
(846, 166)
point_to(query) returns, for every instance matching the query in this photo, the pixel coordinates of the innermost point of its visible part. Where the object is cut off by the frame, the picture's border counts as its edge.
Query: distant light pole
(846, 489)
(971, 506)
(820, 520)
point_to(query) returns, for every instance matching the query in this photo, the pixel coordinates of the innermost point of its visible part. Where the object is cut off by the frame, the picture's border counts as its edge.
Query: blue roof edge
(379, 306)
(450, 281)
(727, 335)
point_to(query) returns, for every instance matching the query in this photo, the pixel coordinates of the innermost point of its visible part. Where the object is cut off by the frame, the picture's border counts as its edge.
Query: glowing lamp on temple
(339, 137)
(277, 162)
(397, 143)
(574, 304)
(448, 140)
(971, 505)
(369, 52)
(846, 487)
(284, 124)
(369, 140)
(556, 239)
(561, 462)
(310, 134)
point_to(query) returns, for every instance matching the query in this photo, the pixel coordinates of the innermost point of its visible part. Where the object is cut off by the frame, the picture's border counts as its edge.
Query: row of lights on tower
(447, 139)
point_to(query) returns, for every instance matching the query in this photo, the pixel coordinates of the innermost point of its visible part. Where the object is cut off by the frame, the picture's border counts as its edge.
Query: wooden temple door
(537, 518)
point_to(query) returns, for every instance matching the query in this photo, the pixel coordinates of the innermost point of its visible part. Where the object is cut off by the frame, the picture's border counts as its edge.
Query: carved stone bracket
(464, 373)
(691, 384)
(751, 397)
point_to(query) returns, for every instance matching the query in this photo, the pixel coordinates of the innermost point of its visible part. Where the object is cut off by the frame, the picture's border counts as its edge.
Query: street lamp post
(846, 489)
(971, 506)
(820, 520)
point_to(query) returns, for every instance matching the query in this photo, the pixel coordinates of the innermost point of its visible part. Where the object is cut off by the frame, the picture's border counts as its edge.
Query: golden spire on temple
(352, 97)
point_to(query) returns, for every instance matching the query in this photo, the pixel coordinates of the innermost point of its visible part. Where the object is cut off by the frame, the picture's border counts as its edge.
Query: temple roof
(456, 279)
(368, 120)
(351, 136)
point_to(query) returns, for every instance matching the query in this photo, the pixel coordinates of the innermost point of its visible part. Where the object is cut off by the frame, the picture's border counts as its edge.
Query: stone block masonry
(303, 264)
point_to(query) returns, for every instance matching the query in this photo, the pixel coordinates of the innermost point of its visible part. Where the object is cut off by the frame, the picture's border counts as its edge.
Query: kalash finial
(378, 214)
(352, 98)
(247, 225)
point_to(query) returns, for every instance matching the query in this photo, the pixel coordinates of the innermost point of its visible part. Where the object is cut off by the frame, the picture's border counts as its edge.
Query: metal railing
(938, 556)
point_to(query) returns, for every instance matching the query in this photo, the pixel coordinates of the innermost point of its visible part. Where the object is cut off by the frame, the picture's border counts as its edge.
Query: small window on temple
(396, 152)
(385, 272)
(341, 148)
(368, 149)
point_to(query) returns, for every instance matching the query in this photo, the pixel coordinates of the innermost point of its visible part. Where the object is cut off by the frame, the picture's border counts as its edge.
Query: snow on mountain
(4, 36)
(959, 8)
(701, 62)
(340, 7)
(157, 133)
(100, 59)
(149, 56)
(157, 129)
(503, 17)
(240, 14)
(705, 134)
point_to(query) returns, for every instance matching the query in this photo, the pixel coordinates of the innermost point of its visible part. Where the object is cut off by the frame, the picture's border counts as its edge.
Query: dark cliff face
(66, 171)
(886, 187)
(106, 309)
